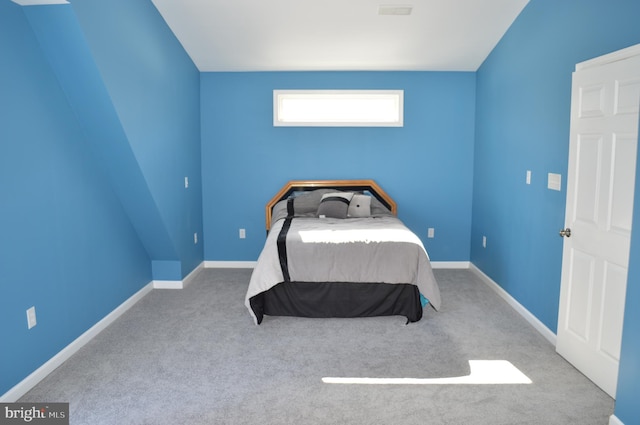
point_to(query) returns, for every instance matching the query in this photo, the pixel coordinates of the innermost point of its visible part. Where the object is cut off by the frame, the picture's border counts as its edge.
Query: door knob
(565, 233)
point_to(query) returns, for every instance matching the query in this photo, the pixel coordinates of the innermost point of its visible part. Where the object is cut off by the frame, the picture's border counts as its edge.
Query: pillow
(360, 206)
(309, 201)
(335, 204)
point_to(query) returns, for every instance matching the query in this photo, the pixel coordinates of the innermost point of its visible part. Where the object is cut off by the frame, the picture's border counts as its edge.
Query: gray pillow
(309, 201)
(335, 204)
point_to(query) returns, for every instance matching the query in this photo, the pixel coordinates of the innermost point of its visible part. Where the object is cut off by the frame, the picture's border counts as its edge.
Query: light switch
(31, 317)
(554, 181)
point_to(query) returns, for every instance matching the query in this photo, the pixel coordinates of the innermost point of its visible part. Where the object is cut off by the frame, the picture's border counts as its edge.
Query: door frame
(616, 56)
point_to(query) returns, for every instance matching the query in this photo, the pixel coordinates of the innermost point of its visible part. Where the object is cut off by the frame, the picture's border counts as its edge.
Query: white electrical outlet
(186, 182)
(484, 241)
(528, 176)
(242, 233)
(31, 317)
(431, 232)
(195, 238)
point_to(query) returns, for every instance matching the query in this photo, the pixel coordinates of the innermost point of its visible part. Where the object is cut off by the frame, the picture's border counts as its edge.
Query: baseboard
(450, 264)
(526, 314)
(178, 284)
(39, 374)
(167, 284)
(230, 264)
(613, 420)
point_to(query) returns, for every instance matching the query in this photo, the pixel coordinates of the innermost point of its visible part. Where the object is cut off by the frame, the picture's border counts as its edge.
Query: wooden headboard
(355, 185)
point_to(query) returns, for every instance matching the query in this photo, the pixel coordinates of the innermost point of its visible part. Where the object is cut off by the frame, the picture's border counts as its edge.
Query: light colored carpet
(194, 356)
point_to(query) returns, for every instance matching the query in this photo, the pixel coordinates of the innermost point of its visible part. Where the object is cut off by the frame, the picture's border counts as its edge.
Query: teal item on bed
(423, 300)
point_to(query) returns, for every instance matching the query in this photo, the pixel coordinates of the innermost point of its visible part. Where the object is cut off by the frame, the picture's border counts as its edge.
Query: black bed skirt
(338, 299)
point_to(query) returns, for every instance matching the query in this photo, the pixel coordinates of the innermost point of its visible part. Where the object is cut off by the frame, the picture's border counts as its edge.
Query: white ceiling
(320, 35)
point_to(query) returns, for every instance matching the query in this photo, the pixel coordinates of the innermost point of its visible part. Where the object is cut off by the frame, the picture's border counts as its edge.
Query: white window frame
(347, 109)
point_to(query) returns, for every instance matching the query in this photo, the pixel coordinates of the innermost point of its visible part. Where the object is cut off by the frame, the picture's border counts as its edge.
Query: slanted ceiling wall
(98, 133)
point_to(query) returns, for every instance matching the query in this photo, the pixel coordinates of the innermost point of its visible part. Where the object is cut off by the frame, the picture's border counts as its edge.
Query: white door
(600, 184)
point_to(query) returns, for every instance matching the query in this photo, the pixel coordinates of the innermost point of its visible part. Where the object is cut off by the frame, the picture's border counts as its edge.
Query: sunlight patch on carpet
(483, 372)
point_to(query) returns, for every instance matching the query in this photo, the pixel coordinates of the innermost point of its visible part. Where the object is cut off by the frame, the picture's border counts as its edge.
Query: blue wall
(103, 189)
(155, 89)
(99, 123)
(426, 166)
(523, 110)
(627, 409)
(137, 95)
(67, 246)
(522, 123)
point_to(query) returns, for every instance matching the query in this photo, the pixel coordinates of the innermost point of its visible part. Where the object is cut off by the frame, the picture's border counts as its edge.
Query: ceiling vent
(395, 10)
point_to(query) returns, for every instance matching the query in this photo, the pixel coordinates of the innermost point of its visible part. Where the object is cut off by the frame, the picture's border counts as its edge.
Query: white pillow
(360, 206)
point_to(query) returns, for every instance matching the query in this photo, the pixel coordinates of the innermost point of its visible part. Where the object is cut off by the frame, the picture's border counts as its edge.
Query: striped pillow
(335, 205)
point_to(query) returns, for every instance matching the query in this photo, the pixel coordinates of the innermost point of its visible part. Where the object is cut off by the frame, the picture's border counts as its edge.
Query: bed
(335, 248)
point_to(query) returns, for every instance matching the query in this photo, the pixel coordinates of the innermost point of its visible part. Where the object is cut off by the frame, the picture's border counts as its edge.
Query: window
(338, 108)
